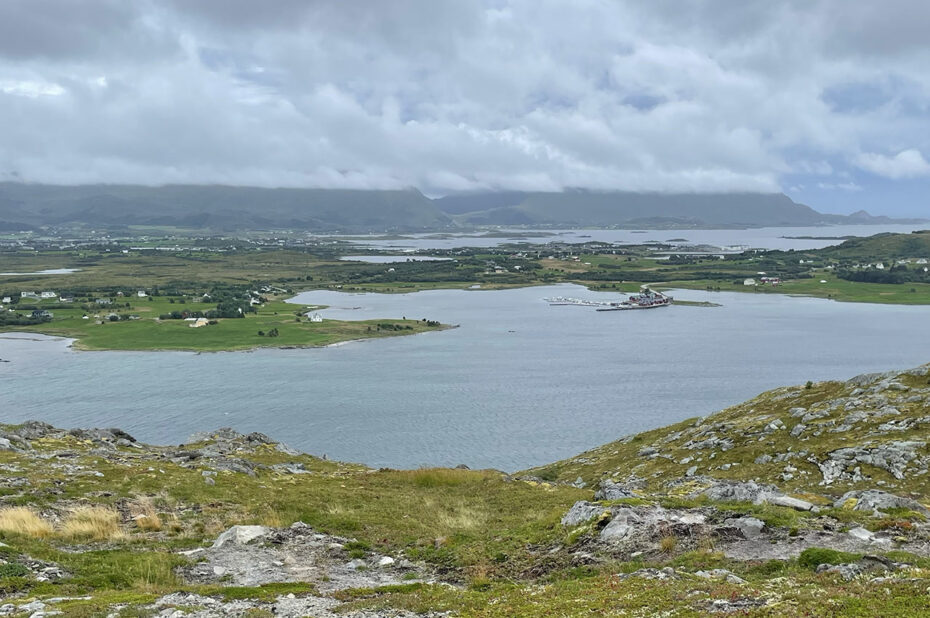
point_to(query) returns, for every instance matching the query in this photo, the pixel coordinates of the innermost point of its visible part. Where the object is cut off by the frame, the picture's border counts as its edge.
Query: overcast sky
(827, 101)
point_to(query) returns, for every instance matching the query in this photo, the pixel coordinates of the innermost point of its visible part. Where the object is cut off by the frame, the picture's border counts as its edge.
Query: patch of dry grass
(94, 523)
(143, 512)
(25, 521)
(456, 515)
(668, 544)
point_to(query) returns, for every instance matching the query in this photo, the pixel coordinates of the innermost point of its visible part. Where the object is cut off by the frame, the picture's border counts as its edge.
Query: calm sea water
(520, 383)
(758, 238)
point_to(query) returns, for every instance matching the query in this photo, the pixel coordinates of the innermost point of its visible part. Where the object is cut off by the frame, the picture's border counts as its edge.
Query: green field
(149, 333)
(834, 288)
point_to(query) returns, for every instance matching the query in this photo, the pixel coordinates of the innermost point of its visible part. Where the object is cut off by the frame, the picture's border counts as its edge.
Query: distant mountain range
(225, 208)
(216, 207)
(648, 210)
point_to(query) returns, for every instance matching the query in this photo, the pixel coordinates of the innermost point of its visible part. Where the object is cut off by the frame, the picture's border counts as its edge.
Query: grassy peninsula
(274, 324)
(807, 500)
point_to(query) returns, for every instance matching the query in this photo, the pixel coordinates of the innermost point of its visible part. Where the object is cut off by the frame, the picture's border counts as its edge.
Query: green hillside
(650, 210)
(805, 501)
(219, 207)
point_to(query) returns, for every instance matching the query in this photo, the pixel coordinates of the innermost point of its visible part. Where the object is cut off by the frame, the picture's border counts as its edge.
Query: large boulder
(877, 500)
(241, 535)
(581, 513)
(739, 491)
(31, 430)
(610, 490)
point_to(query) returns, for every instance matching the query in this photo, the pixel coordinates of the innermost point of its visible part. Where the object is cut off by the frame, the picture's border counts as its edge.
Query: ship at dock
(646, 299)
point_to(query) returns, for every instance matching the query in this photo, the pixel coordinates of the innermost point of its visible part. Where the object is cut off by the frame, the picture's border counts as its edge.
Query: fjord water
(784, 238)
(520, 383)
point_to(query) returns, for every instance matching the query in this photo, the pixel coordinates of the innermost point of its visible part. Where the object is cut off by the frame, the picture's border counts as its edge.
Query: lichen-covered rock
(739, 491)
(877, 500)
(610, 490)
(581, 513)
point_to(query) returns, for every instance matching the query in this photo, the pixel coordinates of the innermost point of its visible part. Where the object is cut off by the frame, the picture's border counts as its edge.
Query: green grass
(148, 333)
(834, 288)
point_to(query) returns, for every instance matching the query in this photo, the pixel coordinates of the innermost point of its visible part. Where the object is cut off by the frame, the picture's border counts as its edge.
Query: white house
(7, 299)
(28, 295)
(48, 295)
(749, 281)
(314, 317)
(141, 294)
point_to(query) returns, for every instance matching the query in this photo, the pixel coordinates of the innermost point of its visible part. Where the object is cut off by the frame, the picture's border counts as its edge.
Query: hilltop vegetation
(806, 500)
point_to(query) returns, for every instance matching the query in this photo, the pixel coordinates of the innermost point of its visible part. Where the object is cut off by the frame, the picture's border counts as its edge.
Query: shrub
(812, 557)
(11, 569)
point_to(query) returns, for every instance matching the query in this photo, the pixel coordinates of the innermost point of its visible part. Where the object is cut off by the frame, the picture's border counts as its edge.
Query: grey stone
(287, 450)
(750, 527)
(892, 457)
(739, 491)
(659, 574)
(582, 512)
(775, 425)
(241, 535)
(877, 500)
(616, 530)
(788, 501)
(814, 415)
(31, 430)
(610, 490)
(861, 534)
(720, 575)
(848, 571)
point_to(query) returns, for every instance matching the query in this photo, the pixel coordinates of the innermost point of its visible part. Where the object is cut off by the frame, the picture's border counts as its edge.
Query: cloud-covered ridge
(455, 96)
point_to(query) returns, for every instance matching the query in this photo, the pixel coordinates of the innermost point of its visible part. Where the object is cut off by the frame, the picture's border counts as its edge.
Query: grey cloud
(449, 95)
(71, 31)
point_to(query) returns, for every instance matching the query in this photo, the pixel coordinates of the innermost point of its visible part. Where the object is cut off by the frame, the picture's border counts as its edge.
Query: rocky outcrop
(256, 555)
(877, 501)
